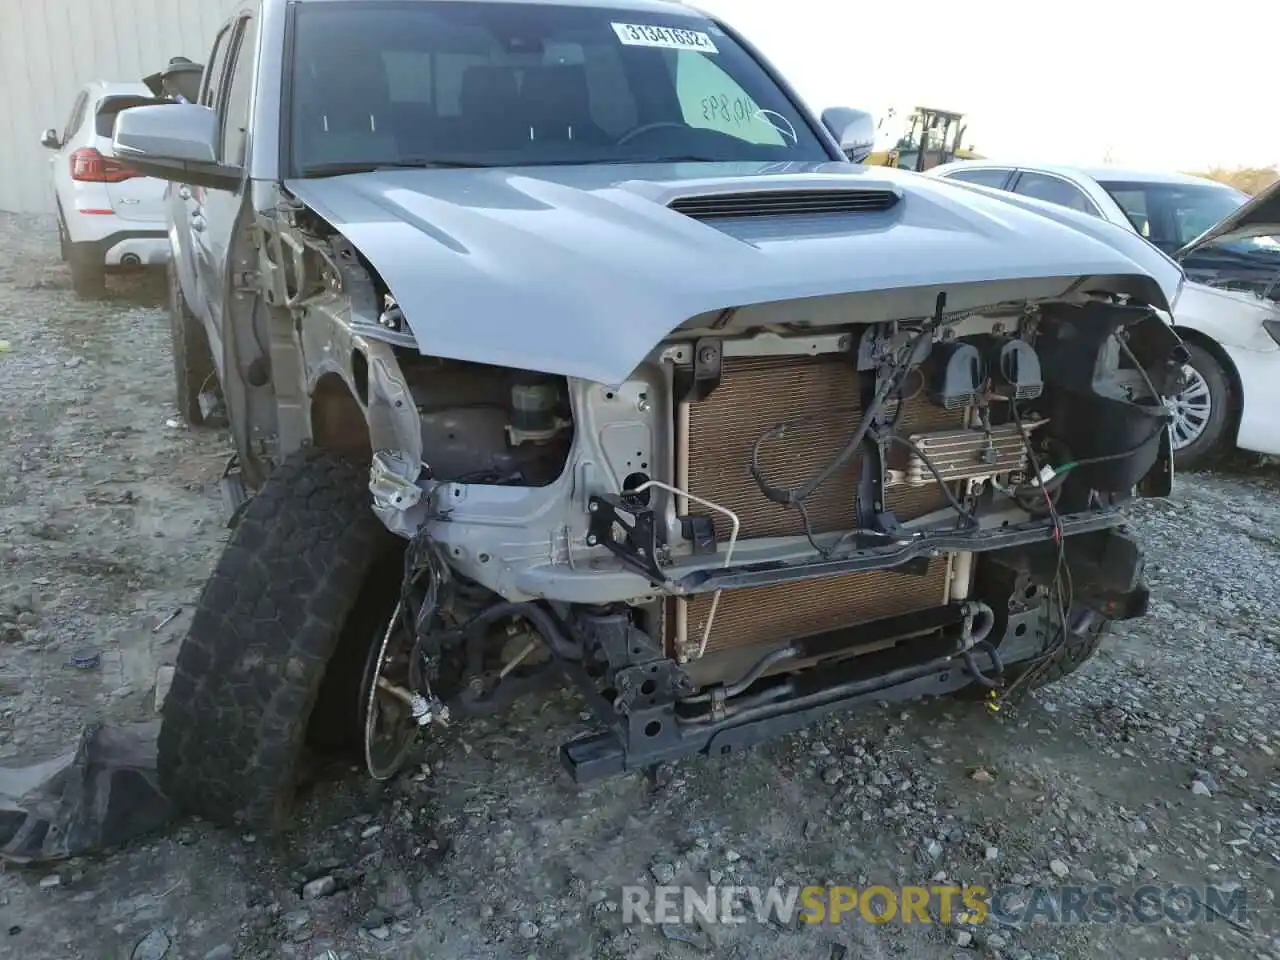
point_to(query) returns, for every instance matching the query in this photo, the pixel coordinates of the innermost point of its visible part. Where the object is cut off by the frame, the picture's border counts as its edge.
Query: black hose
(986, 622)
(979, 630)
(971, 664)
(543, 624)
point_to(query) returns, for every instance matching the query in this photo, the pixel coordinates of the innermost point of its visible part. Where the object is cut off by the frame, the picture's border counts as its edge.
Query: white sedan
(1229, 311)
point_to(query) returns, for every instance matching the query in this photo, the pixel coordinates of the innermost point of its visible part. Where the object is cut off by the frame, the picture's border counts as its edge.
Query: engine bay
(765, 522)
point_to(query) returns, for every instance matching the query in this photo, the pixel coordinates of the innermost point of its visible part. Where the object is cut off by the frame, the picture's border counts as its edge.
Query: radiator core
(790, 611)
(820, 396)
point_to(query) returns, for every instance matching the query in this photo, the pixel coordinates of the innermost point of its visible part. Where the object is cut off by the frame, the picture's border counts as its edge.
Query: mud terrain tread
(265, 627)
(192, 359)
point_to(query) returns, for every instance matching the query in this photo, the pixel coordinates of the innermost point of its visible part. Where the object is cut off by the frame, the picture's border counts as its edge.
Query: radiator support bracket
(638, 547)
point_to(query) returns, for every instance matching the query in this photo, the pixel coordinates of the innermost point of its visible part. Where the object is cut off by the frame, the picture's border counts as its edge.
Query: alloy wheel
(1190, 408)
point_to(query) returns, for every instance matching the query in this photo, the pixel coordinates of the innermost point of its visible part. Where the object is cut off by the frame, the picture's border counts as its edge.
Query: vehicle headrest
(357, 79)
(556, 93)
(488, 91)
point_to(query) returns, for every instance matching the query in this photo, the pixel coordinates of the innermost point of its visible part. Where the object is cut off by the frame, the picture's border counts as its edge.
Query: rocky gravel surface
(1155, 764)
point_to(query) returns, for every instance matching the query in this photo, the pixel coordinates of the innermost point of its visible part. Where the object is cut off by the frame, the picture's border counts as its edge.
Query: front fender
(1232, 318)
(1259, 376)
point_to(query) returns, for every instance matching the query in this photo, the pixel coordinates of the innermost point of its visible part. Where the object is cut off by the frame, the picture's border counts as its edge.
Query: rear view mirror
(173, 141)
(50, 140)
(854, 129)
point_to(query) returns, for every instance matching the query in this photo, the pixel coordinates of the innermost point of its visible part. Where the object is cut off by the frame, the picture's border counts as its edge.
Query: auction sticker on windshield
(669, 38)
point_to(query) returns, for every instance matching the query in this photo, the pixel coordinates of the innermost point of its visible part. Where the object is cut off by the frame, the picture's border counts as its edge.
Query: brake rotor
(390, 724)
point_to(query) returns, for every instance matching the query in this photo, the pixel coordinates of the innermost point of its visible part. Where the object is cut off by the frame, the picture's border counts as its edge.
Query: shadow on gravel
(1250, 468)
(141, 288)
(145, 288)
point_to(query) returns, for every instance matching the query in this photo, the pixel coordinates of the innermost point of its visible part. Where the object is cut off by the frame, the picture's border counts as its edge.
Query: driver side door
(186, 206)
(217, 211)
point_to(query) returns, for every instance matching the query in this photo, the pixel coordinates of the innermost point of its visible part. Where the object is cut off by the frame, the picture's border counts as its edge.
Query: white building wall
(49, 48)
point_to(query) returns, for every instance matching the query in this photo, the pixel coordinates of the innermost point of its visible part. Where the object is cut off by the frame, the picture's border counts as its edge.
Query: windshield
(461, 83)
(1171, 215)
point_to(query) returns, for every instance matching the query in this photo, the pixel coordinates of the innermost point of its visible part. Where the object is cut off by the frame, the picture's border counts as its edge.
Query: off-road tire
(88, 272)
(266, 626)
(193, 368)
(1211, 445)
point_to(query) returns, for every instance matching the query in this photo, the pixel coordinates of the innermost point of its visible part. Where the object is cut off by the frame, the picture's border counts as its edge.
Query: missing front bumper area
(661, 724)
(651, 715)
(602, 755)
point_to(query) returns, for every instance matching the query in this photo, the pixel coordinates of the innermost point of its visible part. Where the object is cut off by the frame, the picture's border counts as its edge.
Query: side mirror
(854, 129)
(174, 141)
(50, 139)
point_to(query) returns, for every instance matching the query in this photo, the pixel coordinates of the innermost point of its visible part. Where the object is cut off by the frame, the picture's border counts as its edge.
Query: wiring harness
(892, 383)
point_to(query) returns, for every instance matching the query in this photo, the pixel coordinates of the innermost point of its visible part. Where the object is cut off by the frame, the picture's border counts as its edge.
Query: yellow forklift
(933, 137)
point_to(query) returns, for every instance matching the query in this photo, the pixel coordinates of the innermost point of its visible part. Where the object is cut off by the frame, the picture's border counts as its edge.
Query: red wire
(1048, 502)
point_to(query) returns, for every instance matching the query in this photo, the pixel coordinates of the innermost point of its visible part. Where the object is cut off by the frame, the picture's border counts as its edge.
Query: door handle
(184, 192)
(197, 222)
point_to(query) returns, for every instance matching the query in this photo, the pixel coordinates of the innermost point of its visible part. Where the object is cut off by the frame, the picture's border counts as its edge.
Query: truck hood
(583, 270)
(1259, 217)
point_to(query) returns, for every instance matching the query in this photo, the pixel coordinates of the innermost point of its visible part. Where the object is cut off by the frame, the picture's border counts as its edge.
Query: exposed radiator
(790, 611)
(758, 393)
(754, 395)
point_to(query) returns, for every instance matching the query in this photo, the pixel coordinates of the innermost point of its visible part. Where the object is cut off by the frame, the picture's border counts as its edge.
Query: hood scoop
(783, 203)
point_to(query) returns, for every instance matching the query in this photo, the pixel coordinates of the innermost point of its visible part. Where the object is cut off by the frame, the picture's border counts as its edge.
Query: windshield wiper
(338, 168)
(683, 158)
(604, 161)
(1242, 258)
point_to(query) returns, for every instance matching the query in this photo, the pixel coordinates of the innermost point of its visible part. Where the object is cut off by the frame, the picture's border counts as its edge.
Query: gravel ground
(1154, 764)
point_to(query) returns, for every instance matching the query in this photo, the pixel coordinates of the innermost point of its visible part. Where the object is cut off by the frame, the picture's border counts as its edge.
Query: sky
(1135, 83)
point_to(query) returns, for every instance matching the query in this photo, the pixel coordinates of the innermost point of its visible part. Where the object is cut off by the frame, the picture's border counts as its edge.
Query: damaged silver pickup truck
(561, 343)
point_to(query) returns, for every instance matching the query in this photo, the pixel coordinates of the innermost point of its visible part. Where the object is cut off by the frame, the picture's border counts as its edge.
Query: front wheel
(1201, 411)
(269, 624)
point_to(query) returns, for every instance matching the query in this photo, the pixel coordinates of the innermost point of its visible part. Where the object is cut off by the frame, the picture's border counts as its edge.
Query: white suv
(109, 215)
